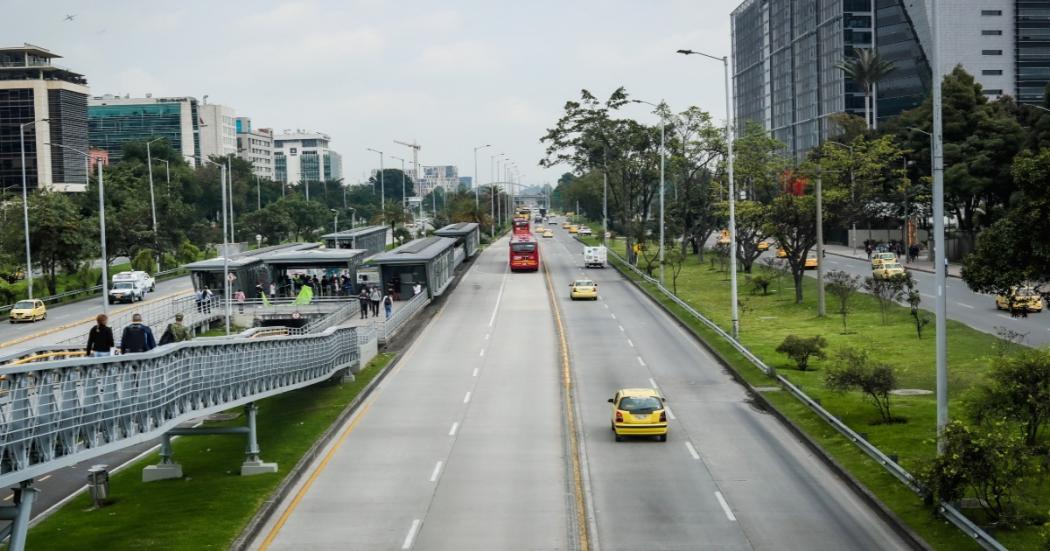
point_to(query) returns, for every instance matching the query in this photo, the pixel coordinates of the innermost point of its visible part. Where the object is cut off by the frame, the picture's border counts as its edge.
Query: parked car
(28, 310)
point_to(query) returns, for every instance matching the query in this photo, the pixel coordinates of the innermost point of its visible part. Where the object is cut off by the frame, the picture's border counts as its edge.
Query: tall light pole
(382, 183)
(229, 190)
(732, 189)
(25, 201)
(938, 234)
(101, 219)
(152, 200)
(335, 223)
(225, 244)
(663, 156)
(820, 242)
(167, 174)
(477, 181)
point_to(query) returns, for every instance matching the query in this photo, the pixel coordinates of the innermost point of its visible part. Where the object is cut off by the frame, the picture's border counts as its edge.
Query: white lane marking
(641, 362)
(437, 471)
(725, 506)
(467, 397)
(621, 328)
(482, 353)
(411, 537)
(670, 414)
(1004, 316)
(964, 305)
(486, 337)
(475, 372)
(613, 315)
(455, 427)
(43, 478)
(606, 306)
(630, 343)
(499, 297)
(653, 383)
(927, 295)
(692, 450)
(9, 498)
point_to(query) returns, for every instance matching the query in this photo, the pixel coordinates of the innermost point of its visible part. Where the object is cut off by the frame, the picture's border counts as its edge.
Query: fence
(386, 328)
(949, 512)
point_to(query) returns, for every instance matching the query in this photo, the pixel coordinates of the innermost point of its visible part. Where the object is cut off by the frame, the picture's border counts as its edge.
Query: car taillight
(619, 417)
(663, 416)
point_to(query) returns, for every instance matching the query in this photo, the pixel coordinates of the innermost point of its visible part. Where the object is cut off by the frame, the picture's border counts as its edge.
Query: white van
(595, 257)
(141, 282)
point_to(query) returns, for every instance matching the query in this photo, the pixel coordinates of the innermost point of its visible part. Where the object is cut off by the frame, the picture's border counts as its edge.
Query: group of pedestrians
(370, 297)
(896, 247)
(137, 337)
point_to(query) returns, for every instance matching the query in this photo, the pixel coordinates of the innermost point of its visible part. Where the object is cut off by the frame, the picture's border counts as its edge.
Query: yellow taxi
(583, 288)
(878, 259)
(782, 252)
(565, 225)
(763, 246)
(638, 412)
(811, 261)
(548, 233)
(1024, 298)
(574, 229)
(887, 270)
(723, 237)
(28, 310)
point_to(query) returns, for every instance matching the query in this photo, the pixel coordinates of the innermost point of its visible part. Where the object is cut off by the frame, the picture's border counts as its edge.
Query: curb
(895, 523)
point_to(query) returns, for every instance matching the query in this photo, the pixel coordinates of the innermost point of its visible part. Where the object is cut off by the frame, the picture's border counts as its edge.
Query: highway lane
(729, 477)
(461, 447)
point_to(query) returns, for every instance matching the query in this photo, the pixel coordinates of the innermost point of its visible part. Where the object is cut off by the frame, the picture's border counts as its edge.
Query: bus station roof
(314, 257)
(246, 258)
(356, 232)
(416, 251)
(457, 230)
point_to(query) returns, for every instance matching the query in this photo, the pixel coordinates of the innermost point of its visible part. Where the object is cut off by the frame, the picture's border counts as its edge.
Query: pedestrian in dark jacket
(374, 296)
(100, 338)
(137, 337)
(363, 303)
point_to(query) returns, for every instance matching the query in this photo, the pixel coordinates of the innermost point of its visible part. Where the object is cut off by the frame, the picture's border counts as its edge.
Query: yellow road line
(63, 327)
(570, 413)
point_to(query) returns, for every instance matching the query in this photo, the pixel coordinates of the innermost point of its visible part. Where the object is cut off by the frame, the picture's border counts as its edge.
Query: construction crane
(415, 158)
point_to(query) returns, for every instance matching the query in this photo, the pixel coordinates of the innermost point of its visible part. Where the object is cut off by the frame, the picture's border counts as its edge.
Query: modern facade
(302, 156)
(114, 121)
(466, 183)
(255, 145)
(786, 55)
(445, 176)
(33, 89)
(218, 130)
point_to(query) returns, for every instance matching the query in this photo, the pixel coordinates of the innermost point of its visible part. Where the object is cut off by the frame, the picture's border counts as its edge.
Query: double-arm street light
(477, 180)
(152, 200)
(101, 219)
(335, 223)
(225, 244)
(25, 201)
(732, 189)
(663, 158)
(382, 183)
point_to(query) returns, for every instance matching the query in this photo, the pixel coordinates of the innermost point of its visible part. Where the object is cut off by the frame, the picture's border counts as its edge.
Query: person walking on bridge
(137, 337)
(100, 338)
(363, 302)
(374, 296)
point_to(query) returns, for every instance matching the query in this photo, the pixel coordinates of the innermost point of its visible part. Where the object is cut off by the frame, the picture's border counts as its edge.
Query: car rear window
(640, 404)
(584, 283)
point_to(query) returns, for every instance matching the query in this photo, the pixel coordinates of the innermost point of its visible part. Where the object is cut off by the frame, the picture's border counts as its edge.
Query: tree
(856, 371)
(792, 222)
(58, 236)
(273, 222)
(1018, 390)
(842, 286)
(866, 68)
(759, 163)
(914, 299)
(802, 349)
(145, 261)
(697, 150)
(752, 225)
(761, 283)
(305, 217)
(887, 291)
(675, 258)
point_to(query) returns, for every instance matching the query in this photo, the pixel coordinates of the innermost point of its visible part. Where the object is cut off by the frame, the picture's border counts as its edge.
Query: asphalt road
(461, 447)
(729, 476)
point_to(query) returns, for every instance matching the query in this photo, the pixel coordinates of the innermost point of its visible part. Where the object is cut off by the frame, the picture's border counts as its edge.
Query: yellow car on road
(574, 229)
(1025, 298)
(548, 233)
(565, 225)
(762, 246)
(887, 270)
(583, 289)
(639, 412)
(811, 261)
(28, 310)
(879, 259)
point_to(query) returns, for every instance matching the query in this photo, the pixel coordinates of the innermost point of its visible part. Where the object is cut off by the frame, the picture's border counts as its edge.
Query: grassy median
(767, 319)
(211, 505)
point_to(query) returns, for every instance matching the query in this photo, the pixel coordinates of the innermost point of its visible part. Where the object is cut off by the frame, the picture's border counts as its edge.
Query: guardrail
(75, 292)
(403, 312)
(948, 511)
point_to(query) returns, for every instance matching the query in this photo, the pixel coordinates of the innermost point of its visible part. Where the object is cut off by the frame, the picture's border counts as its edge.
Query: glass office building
(113, 122)
(1032, 30)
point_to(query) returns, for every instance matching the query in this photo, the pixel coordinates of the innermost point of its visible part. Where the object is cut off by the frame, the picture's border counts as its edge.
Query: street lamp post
(25, 201)
(937, 154)
(732, 190)
(335, 223)
(152, 200)
(225, 244)
(477, 182)
(663, 154)
(382, 183)
(229, 190)
(353, 216)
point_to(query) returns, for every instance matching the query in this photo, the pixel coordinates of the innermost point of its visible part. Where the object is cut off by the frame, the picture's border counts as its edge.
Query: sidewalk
(922, 265)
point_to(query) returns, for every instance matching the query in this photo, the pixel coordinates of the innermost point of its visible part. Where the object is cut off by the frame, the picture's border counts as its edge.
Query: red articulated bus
(524, 253)
(521, 226)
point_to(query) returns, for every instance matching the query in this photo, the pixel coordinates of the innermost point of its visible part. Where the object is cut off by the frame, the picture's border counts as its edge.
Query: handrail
(949, 512)
(404, 312)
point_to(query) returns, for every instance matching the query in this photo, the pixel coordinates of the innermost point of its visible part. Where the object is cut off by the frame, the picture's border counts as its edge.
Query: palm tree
(866, 68)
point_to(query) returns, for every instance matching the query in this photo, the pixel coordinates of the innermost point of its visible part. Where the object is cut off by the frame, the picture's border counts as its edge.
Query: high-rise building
(33, 89)
(114, 121)
(445, 176)
(218, 130)
(466, 183)
(255, 145)
(302, 156)
(786, 55)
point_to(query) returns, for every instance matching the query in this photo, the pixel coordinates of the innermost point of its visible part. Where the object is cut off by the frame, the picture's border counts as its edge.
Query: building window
(992, 72)
(993, 92)
(991, 52)
(991, 33)
(991, 12)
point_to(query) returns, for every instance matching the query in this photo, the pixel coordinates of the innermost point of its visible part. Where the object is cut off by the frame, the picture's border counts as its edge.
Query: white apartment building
(218, 130)
(445, 176)
(255, 145)
(302, 156)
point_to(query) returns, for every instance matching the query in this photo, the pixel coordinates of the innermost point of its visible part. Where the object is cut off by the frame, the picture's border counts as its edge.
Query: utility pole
(940, 260)
(820, 242)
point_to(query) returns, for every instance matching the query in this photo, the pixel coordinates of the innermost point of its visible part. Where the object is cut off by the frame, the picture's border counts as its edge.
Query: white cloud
(459, 57)
(137, 82)
(517, 111)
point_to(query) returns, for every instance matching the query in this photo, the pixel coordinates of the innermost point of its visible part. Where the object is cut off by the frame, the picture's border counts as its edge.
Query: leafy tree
(842, 286)
(306, 217)
(752, 225)
(1018, 390)
(800, 349)
(675, 258)
(856, 371)
(759, 163)
(273, 222)
(401, 235)
(914, 299)
(886, 290)
(58, 235)
(792, 222)
(697, 149)
(145, 261)
(760, 284)
(866, 68)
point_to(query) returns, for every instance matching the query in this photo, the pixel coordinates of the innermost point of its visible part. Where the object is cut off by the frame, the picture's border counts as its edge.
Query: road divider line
(466, 399)
(1004, 316)
(455, 427)
(606, 306)
(487, 336)
(482, 353)
(613, 315)
(641, 362)
(670, 414)
(725, 506)
(692, 450)
(630, 343)
(621, 328)
(43, 478)
(653, 383)
(927, 295)
(9, 498)
(964, 305)
(410, 538)
(499, 298)
(436, 472)
(475, 372)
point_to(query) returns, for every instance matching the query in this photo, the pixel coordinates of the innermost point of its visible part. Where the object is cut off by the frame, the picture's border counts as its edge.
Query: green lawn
(210, 506)
(766, 320)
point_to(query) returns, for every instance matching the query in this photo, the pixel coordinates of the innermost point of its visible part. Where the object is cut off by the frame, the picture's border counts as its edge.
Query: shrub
(761, 283)
(842, 286)
(858, 372)
(887, 291)
(802, 349)
(1018, 389)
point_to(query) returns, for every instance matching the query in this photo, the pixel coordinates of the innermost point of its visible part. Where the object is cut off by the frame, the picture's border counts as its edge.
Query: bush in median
(801, 349)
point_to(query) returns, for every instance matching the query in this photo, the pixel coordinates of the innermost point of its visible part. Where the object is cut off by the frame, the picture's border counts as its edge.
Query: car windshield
(23, 305)
(640, 404)
(584, 283)
(124, 285)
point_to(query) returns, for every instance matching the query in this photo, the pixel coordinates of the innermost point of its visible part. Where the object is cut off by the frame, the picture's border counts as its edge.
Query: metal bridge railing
(949, 512)
(75, 292)
(403, 311)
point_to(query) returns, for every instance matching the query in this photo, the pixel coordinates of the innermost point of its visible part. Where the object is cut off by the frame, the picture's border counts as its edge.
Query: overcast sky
(450, 74)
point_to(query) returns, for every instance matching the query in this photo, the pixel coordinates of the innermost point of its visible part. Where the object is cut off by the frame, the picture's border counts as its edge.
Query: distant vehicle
(639, 412)
(28, 310)
(524, 253)
(552, 222)
(543, 212)
(521, 225)
(574, 228)
(126, 291)
(762, 246)
(878, 259)
(548, 233)
(723, 237)
(782, 252)
(811, 261)
(887, 270)
(595, 257)
(565, 225)
(1024, 298)
(140, 278)
(584, 230)
(583, 289)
